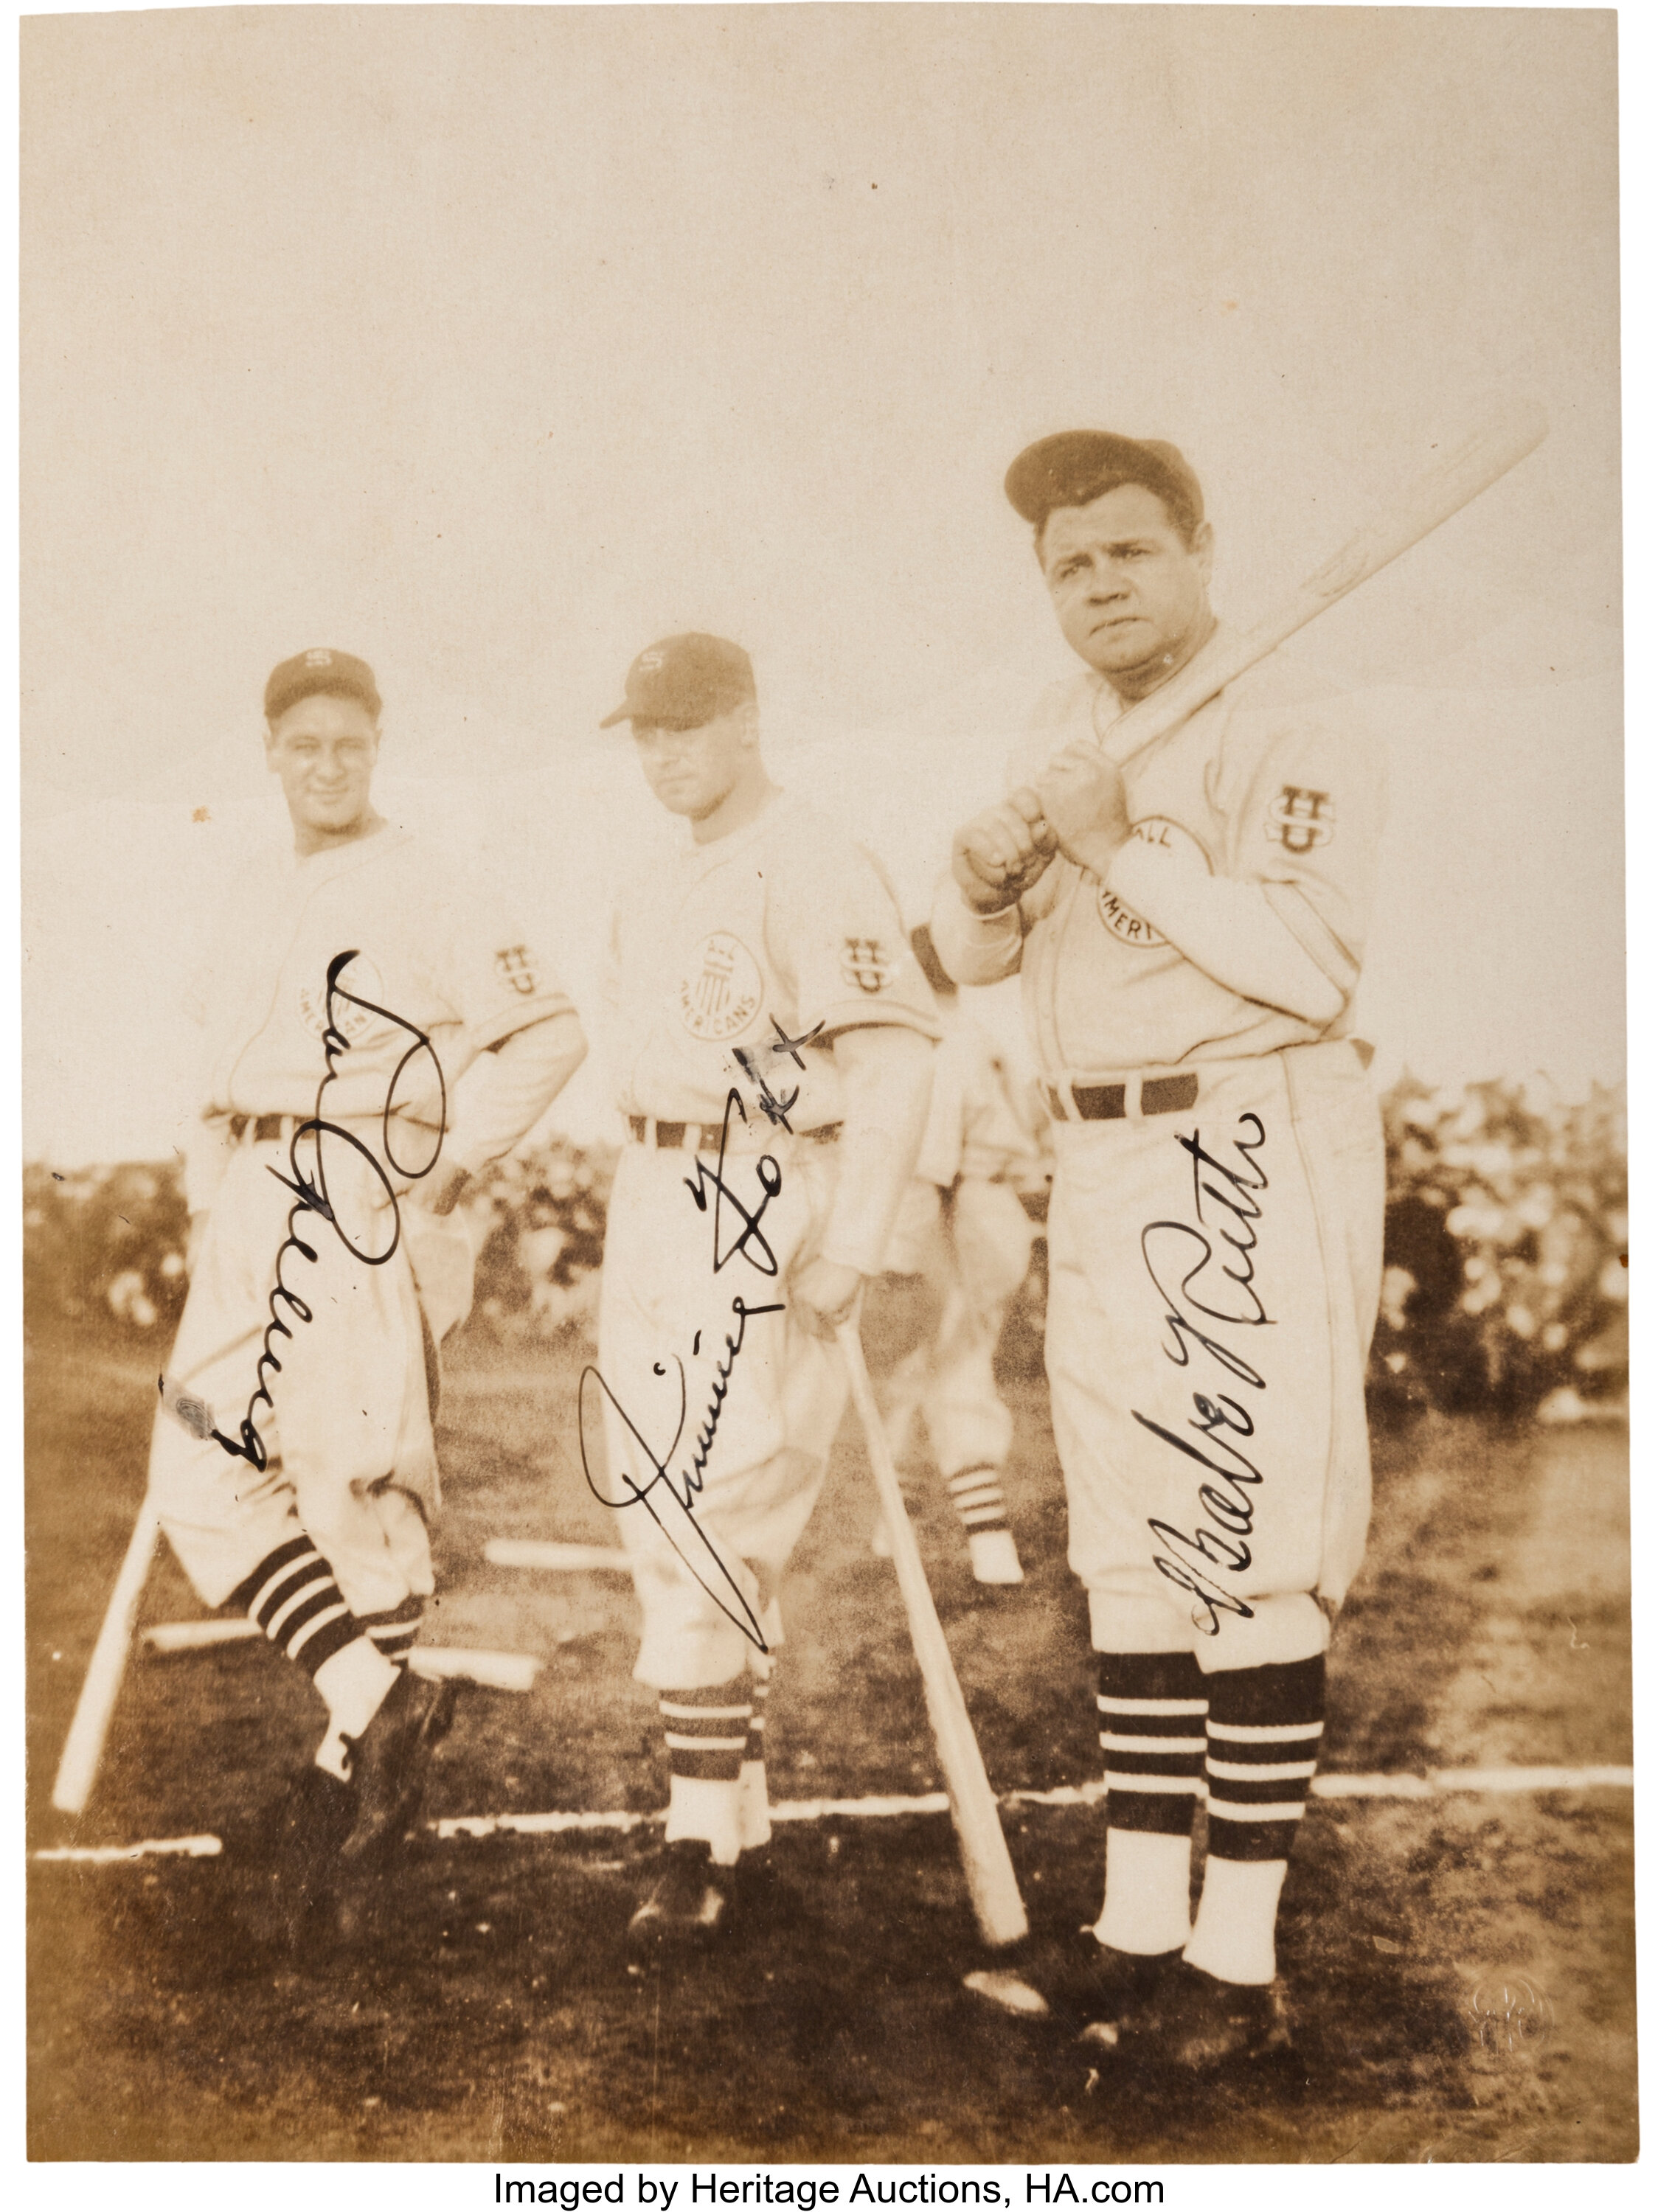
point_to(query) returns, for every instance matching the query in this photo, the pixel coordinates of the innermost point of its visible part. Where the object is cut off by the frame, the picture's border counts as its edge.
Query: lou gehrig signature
(1225, 1297)
(738, 1234)
(311, 1196)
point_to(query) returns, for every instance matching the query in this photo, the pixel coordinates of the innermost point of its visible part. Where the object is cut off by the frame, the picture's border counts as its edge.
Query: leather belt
(1110, 1101)
(262, 1128)
(705, 1136)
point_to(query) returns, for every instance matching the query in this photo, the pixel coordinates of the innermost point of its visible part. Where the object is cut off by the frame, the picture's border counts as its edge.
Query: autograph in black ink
(1225, 1504)
(680, 1491)
(770, 1175)
(311, 1196)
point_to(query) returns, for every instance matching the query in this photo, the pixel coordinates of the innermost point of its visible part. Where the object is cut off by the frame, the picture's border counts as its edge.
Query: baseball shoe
(690, 1904)
(314, 1820)
(1081, 1985)
(993, 1556)
(1194, 2020)
(389, 1766)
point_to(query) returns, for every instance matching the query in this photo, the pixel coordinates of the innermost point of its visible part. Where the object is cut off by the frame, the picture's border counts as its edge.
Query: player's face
(1128, 589)
(694, 772)
(323, 750)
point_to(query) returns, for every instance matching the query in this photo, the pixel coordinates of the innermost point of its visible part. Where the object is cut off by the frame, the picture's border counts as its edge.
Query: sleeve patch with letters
(1298, 819)
(513, 964)
(865, 962)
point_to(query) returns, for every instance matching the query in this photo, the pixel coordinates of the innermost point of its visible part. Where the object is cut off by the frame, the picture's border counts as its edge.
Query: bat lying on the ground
(991, 1883)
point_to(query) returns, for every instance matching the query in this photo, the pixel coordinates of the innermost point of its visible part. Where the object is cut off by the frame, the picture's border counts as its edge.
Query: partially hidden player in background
(328, 1547)
(765, 957)
(963, 1229)
(1189, 929)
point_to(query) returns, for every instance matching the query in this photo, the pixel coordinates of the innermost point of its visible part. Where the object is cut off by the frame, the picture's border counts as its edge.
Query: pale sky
(492, 344)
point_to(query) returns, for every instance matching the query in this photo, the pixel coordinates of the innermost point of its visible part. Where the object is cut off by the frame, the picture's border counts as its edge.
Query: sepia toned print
(874, 1410)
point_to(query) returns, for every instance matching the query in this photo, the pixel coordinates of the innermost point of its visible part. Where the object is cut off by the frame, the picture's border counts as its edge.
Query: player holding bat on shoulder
(1188, 914)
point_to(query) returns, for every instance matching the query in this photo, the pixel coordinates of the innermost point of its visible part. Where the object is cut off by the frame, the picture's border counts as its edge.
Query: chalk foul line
(1438, 1781)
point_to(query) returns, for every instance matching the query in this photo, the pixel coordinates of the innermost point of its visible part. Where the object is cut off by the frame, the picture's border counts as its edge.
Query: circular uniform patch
(719, 993)
(1122, 921)
(363, 980)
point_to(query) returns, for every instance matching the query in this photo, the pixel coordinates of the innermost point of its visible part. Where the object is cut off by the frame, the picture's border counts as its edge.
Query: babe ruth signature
(1166, 1247)
(311, 1196)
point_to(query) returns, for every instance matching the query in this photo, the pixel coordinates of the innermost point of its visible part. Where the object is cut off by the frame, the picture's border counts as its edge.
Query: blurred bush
(1505, 1288)
(1506, 1281)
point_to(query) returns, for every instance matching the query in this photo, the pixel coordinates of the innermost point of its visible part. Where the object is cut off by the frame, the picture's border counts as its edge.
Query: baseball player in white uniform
(1189, 929)
(773, 1040)
(963, 1230)
(375, 1032)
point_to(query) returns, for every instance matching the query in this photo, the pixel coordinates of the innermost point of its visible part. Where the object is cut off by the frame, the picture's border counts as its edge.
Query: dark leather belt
(262, 1128)
(1108, 1102)
(671, 1135)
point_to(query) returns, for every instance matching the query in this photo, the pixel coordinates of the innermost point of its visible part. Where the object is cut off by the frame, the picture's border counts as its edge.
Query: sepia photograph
(825, 1246)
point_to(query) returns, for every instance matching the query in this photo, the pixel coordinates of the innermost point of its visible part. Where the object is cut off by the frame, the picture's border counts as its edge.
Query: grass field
(494, 2016)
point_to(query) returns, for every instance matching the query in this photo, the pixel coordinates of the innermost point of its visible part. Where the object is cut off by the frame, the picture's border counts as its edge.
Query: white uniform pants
(709, 1545)
(1213, 1282)
(352, 1409)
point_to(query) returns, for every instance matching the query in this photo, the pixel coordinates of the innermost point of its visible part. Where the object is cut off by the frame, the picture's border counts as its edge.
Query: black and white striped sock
(708, 1730)
(976, 1493)
(393, 1632)
(1265, 1727)
(293, 1598)
(1151, 1707)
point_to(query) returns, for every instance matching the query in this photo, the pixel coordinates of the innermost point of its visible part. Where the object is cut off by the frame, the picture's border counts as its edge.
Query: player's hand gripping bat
(985, 847)
(998, 1906)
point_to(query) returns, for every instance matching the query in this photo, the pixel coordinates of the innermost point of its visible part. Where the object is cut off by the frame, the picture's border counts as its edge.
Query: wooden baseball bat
(991, 1883)
(1460, 475)
(78, 1770)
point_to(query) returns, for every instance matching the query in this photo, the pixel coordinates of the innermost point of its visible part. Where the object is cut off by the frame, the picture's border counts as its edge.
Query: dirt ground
(494, 2017)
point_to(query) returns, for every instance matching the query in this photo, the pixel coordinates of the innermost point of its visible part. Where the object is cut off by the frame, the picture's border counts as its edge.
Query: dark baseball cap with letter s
(681, 682)
(320, 669)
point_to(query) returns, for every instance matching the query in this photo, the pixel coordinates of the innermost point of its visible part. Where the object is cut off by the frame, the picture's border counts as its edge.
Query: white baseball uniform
(354, 1390)
(1215, 1231)
(725, 961)
(963, 1228)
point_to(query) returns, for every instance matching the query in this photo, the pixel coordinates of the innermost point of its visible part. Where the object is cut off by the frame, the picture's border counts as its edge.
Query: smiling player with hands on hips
(1188, 918)
(772, 1038)
(362, 983)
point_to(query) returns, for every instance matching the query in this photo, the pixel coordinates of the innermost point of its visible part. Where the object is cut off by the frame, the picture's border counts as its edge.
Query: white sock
(1237, 1915)
(1148, 1891)
(354, 1684)
(708, 1811)
(754, 1807)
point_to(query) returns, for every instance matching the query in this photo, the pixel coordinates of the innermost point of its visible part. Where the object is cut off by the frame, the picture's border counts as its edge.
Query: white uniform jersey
(1267, 784)
(974, 1126)
(431, 948)
(785, 929)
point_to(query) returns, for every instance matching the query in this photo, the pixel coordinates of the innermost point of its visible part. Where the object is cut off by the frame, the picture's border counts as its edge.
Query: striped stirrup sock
(393, 1633)
(293, 1598)
(976, 1493)
(708, 1730)
(760, 1689)
(1151, 1707)
(1265, 1727)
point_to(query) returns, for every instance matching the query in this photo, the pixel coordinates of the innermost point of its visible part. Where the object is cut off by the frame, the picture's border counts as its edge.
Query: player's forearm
(504, 1093)
(975, 948)
(1260, 939)
(886, 1077)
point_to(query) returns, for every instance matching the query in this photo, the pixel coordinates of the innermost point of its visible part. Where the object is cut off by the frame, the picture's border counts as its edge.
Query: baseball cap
(1075, 466)
(320, 669)
(681, 682)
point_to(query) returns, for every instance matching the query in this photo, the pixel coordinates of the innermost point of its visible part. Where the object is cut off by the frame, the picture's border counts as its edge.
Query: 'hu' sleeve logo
(864, 961)
(1298, 819)
(513, 964)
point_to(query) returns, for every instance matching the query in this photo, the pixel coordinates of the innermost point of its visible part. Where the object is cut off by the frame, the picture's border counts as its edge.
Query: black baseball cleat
(690, 1904)
(314, 1820)
(1196, 2022)
(388, 1766)
(1081, 1983)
